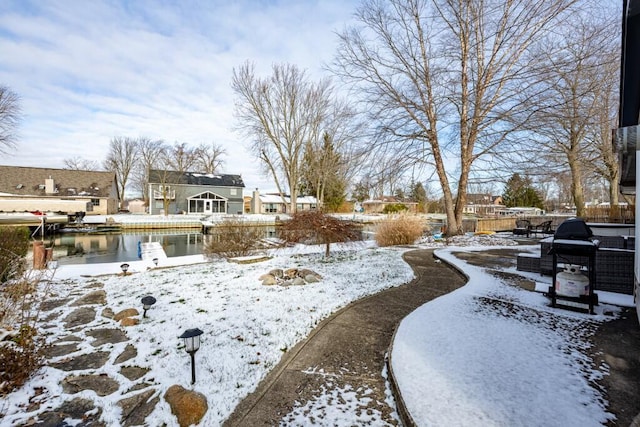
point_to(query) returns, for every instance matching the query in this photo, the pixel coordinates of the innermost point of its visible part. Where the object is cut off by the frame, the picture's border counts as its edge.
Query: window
(271, 208)
(95, 202)
(233, 191)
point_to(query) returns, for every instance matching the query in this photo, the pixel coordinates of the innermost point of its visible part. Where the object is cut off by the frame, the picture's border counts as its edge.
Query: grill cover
(573, 229)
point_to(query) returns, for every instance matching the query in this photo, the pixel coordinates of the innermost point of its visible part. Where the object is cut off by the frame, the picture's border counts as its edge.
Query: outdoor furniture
(544, 228)
(522, 227)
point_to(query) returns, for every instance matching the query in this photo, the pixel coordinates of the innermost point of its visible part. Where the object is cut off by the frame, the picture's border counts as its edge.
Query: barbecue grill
(573, 243)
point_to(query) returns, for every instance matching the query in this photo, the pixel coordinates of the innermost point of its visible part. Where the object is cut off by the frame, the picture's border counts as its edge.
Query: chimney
(49, 186)
(255, 202)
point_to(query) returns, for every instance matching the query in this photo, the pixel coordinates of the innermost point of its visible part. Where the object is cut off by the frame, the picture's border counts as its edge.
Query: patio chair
(544, 228)
(522, 227)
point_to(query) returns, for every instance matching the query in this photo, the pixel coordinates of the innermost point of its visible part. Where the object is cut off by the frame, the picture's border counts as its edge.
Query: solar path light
(125, 268)
(191, 339)
(155, 261)
(147, 302)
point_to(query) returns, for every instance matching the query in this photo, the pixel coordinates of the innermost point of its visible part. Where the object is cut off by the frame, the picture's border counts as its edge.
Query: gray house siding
(194, 193)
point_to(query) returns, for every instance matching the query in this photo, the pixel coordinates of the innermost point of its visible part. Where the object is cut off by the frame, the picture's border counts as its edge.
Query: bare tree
(79, 164)
(9, 118)
(149, 156)
(208, 158)
(180, 158)
(280, 114)
(441, 77)
(121, 160)
(571, 106)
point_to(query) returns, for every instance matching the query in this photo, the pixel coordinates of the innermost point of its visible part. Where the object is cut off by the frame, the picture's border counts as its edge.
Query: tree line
(459, 93)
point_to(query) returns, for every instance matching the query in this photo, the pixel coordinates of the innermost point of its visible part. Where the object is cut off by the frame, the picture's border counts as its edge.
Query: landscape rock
(304, 272)
(129, 321)
(49, 305)
(138, 407)
(103, 385)
(298, 281)
(129, 353)
(277, 273)
(269, 280)
(291, 272)
(107, 336)
(133, 373)
(92, 298)
(108, 313)
(84, 361)
(80, 316)
(82, 410)
(60, 350)
(310, 278)
(188, 406)
(127, 312)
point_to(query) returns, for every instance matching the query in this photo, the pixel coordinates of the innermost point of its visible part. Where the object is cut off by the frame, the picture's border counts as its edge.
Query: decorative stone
(286, 283)
(297, 281)
(269, 280)
(107, 336)
(127, 312)
(291, 272)
(92, 298)
(129, 353)
(80, 316)
(188, 406)
(277, 273)
(310, 278)
(60, 350)
(265, 276)
(136, 408)
(84, 361)
(82, 410)
(108, 313)
(304, 272)
(49, 305)
(129, 321)
(133, 373)
(103, 385)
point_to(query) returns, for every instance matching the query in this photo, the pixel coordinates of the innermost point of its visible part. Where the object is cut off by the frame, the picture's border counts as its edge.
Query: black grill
(573, 229)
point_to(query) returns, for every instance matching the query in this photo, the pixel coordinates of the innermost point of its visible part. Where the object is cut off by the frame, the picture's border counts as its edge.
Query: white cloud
(89, 71)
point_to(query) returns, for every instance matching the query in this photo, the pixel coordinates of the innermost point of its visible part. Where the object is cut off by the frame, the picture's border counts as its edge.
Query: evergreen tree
(519, 191)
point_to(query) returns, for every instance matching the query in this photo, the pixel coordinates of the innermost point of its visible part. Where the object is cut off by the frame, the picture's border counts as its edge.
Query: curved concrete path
(348, 348)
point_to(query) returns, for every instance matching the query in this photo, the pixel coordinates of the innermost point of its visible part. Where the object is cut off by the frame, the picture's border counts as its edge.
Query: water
(81, 248)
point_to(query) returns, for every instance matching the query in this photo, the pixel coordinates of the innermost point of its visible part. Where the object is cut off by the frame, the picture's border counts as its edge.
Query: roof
(195, 178)
(28, 181)
(275, 198)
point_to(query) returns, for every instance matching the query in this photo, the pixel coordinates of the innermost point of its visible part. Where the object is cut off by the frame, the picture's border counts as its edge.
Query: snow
(486, 354)
(492, 354)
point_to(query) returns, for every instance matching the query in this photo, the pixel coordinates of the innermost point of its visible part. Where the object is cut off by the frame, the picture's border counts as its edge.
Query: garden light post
(155, 261)
(147, 302)
(125, 268)
(191, 339)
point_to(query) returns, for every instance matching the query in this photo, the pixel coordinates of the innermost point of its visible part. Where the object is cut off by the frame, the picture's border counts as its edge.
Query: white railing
(170, 195)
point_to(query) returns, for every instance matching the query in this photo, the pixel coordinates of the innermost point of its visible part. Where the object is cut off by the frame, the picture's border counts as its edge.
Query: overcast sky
(87, 71)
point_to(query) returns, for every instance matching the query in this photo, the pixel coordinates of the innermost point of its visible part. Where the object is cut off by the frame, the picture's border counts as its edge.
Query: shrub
(394, 208)
(14, 245)
(20, 357)
(404, 230)
(314, 226)
(233, 238)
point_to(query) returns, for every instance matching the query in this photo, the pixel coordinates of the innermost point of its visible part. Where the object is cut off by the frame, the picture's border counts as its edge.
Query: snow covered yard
(247, 326)
(494, 354)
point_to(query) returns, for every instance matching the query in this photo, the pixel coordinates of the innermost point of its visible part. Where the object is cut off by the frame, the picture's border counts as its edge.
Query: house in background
(483, 204)
(58, 190)
(273, 203)
(373, 206)
(195, 193)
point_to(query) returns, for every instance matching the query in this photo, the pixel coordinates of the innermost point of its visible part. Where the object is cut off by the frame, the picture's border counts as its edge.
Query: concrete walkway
(347, 349)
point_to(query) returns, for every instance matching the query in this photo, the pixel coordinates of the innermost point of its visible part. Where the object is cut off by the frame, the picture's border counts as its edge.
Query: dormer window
(41, 186)
(19, 186)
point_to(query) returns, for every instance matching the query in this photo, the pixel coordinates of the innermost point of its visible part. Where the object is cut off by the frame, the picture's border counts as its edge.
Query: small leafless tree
(79, 164)
(121, 160)
(150, 155)
(314, 226)
(440, 77)
(208, 158)
(280, 114)
(180, 158)
(9, 118)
